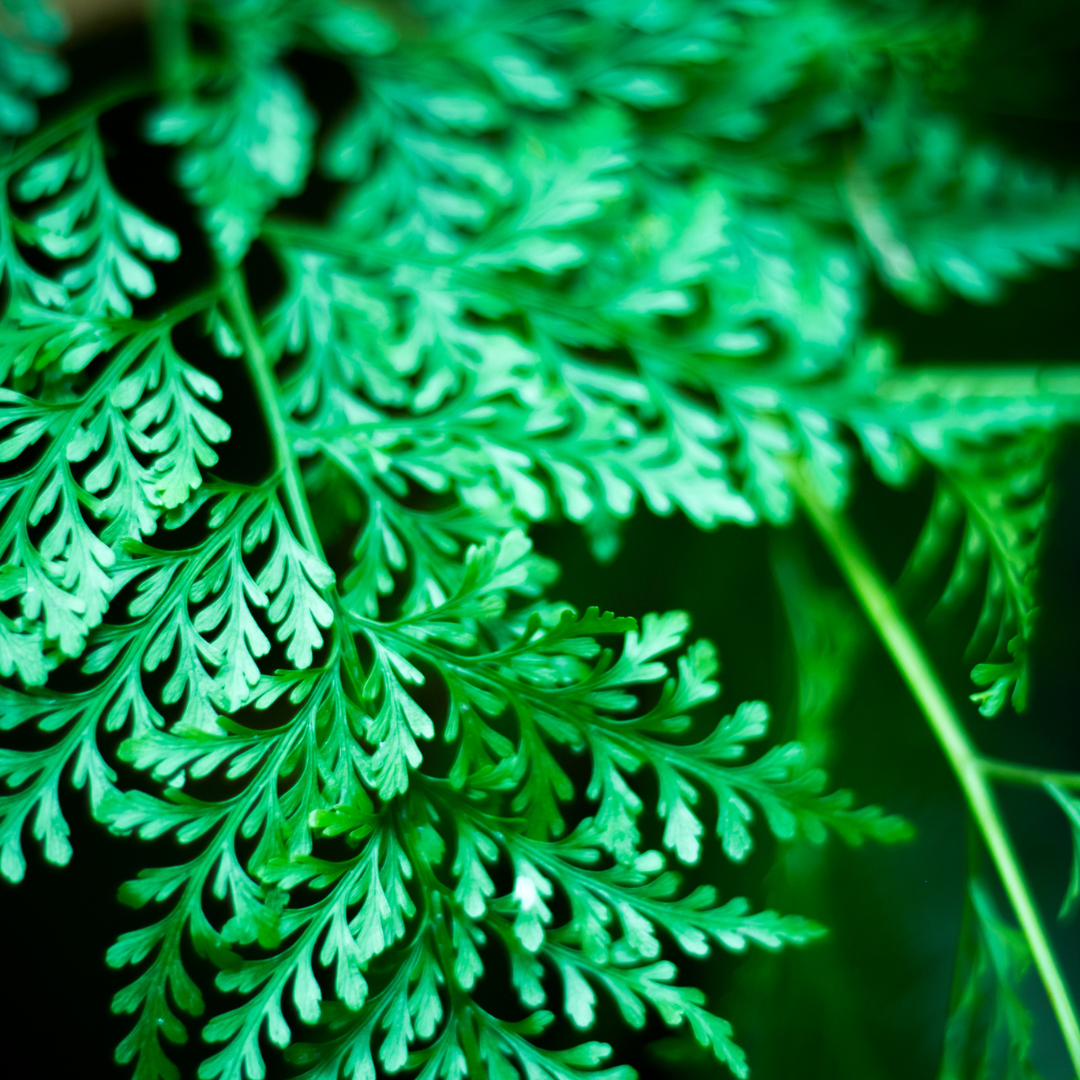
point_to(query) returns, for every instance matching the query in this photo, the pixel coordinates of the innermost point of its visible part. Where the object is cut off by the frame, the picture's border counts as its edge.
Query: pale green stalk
(911, 660)
(266, 390)
(1026, 774)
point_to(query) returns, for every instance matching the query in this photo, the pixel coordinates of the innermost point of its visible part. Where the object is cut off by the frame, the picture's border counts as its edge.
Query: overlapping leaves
(583, 258)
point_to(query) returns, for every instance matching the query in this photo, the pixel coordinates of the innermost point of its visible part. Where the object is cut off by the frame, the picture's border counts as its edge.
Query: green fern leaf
(28, 69)
(573, 262)
(994, 960)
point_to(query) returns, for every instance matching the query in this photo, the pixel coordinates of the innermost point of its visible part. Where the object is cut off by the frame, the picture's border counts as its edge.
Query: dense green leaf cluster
(581, 257)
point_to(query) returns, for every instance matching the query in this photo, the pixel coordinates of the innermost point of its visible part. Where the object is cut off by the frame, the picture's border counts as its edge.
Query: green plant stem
(911, 660)
(258, 365)
(262, 376)
(1026, 774)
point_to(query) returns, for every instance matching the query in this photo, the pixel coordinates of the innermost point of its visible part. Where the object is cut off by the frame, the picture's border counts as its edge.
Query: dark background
(869, 1001)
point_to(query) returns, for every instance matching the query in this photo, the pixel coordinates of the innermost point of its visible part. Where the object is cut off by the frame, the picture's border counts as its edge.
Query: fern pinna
(579, 257)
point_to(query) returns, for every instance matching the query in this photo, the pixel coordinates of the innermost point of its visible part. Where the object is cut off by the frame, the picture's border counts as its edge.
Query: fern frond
(83, 219)
(29, 30)
(537, 672)
(578, 259)
(246, 144)
(994, 499)
(989, 1028)
(938, 211)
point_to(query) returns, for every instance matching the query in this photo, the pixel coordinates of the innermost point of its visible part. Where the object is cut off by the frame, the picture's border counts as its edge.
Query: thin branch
(1027, 774)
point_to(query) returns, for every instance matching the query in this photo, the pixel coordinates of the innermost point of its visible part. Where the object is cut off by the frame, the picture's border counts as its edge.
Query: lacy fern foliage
(580, 258)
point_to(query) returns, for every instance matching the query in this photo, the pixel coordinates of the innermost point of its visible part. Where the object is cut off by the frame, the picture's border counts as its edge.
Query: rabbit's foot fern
(581, 257)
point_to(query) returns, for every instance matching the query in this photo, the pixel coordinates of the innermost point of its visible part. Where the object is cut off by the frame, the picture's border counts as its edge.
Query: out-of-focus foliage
(579, 258)
(989, 1028)
(28, 69)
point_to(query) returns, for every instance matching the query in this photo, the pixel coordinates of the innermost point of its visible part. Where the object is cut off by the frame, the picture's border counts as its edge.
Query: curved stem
(908, 655)
(258, 365)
